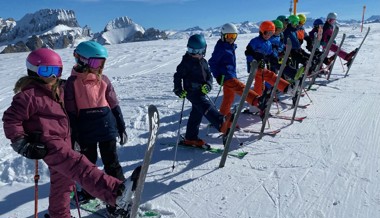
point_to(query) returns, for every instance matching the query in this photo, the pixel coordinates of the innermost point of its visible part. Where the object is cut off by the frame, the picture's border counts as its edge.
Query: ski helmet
(317, 22)
(278, 24)
(282, 18)
(267, 26)
(302, 18)
(294, 20)
(332, 15)
(44, 62)
(197, 44)
(228, 30)
(91, 49)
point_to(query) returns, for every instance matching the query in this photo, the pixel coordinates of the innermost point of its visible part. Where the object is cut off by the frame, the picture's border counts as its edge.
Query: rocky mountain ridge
(59, 28)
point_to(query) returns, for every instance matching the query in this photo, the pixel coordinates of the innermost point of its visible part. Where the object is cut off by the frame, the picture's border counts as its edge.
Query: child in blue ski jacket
(223, 68)
(278, 45)
(193, 80)
(260, 49)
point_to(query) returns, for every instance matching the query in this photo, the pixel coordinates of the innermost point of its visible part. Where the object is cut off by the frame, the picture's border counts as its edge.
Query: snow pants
(68, 166)
(230, 88)
(201, 106)
(265, 75)
(108, 154)
(341, 53)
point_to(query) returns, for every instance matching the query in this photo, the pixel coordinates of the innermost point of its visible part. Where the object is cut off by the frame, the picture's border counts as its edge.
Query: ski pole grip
(222, 80)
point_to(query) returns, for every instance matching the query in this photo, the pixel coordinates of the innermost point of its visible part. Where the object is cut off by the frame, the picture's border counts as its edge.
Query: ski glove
(261, 64)
(123, 137)
(180, 93)
(206, 88)
(220, 80)
(31, 150)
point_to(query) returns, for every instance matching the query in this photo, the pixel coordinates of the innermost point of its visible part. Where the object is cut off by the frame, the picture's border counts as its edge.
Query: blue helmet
(91, 49)
(197, 44)
(318, 22)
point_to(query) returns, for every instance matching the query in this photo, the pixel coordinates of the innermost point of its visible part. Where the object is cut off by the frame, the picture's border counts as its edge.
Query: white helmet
(228, 28)
(332, 15)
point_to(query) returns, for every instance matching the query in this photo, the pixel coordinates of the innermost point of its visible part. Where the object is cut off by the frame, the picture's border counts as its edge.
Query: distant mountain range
(59, 28)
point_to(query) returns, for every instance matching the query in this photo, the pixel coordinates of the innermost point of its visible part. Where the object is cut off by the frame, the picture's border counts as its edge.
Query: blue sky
(182, 14)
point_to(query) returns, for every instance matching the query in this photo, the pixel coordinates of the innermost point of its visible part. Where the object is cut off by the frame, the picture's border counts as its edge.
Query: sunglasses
(45, 71)
(230, 35)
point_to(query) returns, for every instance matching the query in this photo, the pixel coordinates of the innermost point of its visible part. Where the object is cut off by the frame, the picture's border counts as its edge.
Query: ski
(330, 68)
(315, 73)
(211, 149)
(357, 51)
(274, 89)
(228, 138)
(299, 119)
(154, 124)
(284, 117)
(267, 132)
(304, 106)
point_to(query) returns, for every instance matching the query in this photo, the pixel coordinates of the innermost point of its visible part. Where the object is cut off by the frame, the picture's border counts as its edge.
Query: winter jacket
(223, 60)
(277, 45)
(34, 110)
(260, 49)
(92, 106)
(328, 30)
(291, 33)
(192, 73)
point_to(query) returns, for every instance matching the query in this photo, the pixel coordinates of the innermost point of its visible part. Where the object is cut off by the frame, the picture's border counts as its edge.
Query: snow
(327, 166)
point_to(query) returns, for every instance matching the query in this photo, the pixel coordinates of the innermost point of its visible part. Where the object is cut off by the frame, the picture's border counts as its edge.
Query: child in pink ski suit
(38, 127)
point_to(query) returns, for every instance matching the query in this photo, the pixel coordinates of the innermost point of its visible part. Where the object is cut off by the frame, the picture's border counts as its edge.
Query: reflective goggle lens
(49, 71)
(96, 63)
(230, 35)
(200, 51)
(268, 33)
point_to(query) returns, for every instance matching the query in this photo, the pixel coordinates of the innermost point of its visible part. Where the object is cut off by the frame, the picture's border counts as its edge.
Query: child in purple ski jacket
(38, 127)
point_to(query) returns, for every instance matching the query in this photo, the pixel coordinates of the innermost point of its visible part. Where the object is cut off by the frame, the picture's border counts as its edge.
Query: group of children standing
(194, 74)
(48, 115)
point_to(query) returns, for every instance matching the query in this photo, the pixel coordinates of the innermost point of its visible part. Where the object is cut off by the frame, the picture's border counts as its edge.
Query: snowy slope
(327, 166)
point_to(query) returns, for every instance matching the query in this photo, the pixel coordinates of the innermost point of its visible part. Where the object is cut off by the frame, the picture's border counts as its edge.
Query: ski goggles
(200, 51)
(230, 35)
(96, 63)
(45, 71)
(268, 33)
(93, 63)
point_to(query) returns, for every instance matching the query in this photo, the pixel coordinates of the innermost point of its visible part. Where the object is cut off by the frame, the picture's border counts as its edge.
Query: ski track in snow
(324, 167)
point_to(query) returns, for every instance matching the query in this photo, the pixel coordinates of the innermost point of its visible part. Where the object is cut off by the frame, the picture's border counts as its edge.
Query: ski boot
(198, 143)
(126, 190)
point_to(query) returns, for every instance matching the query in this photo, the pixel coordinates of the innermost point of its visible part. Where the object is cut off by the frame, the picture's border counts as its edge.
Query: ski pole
(220, 88)
(178, 134)
(76, 200)
(36, 178)
(307, 95)
(341, 63)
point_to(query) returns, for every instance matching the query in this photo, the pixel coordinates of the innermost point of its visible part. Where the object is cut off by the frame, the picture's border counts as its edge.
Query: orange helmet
(267, 26)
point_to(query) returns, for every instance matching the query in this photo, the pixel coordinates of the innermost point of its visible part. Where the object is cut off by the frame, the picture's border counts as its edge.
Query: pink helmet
(43, 57)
